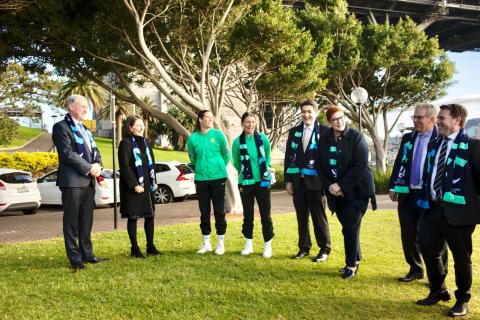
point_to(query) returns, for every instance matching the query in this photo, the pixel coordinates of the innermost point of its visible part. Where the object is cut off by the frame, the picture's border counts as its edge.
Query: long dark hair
(129, 123)
(200, 115)
(246, 115)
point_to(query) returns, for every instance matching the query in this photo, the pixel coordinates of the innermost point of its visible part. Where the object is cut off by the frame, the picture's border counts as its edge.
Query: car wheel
(163, 194)
(179, 199)
(30, 211)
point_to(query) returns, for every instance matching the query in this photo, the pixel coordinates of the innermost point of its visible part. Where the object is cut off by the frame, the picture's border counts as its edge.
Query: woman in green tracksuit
(251, 158)
(208, 151)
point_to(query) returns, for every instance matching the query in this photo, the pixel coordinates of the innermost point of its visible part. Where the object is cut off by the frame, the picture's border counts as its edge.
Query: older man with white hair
(79, 165)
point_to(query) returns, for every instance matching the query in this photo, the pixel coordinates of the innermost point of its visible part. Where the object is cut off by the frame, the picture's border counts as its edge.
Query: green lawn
(36, 282)
(105, 147)
(24, 134)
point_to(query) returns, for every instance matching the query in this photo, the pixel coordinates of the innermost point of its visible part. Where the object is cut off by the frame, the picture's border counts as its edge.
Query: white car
(52, 195)
(175, 181)
(18, 191)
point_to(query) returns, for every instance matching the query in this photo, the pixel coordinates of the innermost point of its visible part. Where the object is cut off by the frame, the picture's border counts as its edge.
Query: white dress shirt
(307, 135)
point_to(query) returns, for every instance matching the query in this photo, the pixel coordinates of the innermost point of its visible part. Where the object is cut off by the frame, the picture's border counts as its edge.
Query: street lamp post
(112, 119)
(359, 96)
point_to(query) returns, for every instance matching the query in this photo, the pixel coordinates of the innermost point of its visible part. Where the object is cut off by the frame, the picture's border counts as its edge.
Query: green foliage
(381, 180)
(23, 135)
(177, 141)
(269, 39)
(94, 93)
(35, 162)
(26, 91)
(8, 129)
(279, 176)
(181, 284)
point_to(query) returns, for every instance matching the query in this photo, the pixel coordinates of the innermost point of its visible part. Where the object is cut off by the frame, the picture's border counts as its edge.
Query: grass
(37, 284)
(24, 135)
(105, 147)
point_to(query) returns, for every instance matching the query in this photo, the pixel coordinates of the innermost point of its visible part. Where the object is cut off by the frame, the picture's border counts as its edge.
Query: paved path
(47, 223)
(42, 143)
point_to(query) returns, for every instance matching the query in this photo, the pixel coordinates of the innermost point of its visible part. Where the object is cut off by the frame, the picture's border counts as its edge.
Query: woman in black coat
(137, 184)
(343, 169)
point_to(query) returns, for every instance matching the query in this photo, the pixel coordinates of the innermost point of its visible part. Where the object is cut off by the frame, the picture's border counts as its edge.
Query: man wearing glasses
(406, 184)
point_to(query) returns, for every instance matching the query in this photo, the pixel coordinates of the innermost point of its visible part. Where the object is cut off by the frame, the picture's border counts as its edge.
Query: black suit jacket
(73, 170)
(468, 214)
(353, 173)
(311, 182)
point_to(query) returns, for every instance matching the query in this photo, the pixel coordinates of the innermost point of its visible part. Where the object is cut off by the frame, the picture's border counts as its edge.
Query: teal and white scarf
(311, 152)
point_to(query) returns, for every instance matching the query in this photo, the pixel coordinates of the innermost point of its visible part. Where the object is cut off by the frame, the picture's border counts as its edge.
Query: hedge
(37, 163)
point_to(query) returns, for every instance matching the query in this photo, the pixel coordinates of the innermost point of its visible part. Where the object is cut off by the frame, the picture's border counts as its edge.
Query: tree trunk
(380, 155)
(145, 133)
(233, 202)
(118, 124)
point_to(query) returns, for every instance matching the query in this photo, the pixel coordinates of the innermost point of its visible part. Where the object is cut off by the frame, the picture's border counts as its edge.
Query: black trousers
(78, 204)
(410, 215)
(312, 202)
(434, 232)
(248, 194)
(212, 191)
(350, 214)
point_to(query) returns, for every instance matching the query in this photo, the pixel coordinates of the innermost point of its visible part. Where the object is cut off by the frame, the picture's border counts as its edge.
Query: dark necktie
(437, 184)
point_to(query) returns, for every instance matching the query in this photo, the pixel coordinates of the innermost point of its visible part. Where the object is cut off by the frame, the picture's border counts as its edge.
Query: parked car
(18, 191)
(175, 181)
(51, 193)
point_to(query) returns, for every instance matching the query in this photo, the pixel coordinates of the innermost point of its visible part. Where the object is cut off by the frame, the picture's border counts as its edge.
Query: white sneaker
(247, 250)
(267, 253)
(206, 247)
(220, 249)
(248, 247)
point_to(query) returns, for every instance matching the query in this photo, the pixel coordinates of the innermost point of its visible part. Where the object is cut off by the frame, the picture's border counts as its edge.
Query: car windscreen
(16, 177)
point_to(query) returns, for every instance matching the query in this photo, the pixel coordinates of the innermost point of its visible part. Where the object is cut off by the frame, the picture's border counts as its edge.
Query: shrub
(35, 162)
(280, 184)
(381, 180)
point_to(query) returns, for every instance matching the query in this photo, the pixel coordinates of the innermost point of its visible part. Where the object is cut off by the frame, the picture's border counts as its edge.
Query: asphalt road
(47, 223)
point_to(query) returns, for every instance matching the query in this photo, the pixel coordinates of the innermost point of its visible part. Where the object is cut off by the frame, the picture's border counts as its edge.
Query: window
(160, 167)
(16, 177)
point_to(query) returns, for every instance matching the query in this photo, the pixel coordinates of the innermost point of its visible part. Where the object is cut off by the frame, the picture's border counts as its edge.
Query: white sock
(221, 237)
(248, 242)
(268, 243)
(206, 238)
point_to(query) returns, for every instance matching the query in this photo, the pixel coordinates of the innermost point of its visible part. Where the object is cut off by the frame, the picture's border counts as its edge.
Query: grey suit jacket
(73, 170)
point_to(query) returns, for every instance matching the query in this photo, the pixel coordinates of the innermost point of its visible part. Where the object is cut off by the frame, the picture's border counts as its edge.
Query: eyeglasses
(339, 119)
(418, 117)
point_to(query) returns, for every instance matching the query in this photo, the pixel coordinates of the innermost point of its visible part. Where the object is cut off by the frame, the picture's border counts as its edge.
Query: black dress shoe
(78, 266)
(151, 250)
(411, 276)
(434, 297)
(459, 309)
(136, 253)
(96, 260)
(300, 255)
(321, 257)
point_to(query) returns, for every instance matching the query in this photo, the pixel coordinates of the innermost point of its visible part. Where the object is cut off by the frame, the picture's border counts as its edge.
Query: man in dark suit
(406, 185)
(79, 166)
(451, 197)
(304, 184)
